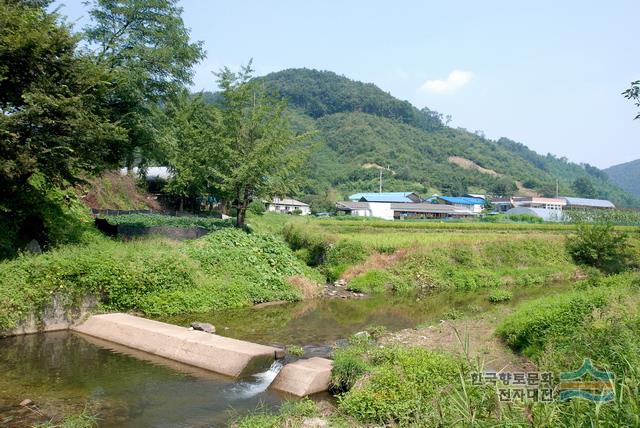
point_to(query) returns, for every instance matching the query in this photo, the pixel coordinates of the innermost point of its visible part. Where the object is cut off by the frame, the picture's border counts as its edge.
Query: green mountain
(627, 176)
(362, 130)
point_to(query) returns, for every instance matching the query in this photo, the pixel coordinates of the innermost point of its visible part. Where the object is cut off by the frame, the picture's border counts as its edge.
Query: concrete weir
(219, 354)
(304, 377)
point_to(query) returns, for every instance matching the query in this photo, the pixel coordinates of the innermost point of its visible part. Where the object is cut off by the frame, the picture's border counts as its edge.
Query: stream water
(62, 371)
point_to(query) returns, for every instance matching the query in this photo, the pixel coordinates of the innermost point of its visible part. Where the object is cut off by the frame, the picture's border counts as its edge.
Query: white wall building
(287, 206)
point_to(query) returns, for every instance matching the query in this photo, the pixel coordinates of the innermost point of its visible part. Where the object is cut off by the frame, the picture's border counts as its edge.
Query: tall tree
(53, 123)
(633, 93)
(52, 118)
(583, 187)
(146, 46)
(257, 155)
(189, 133)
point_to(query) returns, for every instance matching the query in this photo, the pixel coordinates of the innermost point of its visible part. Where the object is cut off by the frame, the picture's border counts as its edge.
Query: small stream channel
(62, 371)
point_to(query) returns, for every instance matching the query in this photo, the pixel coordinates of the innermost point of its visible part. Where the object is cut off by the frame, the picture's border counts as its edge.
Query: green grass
(500, 295)
(227, 268)
(84, 419)
(435, 225)
(529, 328)
(291, 414)
(394, 385)
(150, 220)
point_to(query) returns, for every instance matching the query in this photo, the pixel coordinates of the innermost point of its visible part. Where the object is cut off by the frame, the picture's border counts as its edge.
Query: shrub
(500, 295)
(345, 252)
(372, 281)
(534, 323)
(349, 363)
(404, 386)
(151, 220)
(377, 331)
(227, 268)
(312, 238)
(598, 245)
(295, 350)
(256, 208)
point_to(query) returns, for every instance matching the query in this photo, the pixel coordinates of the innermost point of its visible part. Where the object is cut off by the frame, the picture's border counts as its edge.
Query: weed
(500, 295)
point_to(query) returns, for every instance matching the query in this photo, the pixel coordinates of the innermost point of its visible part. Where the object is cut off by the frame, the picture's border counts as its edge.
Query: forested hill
(627, 176)
(362, 129)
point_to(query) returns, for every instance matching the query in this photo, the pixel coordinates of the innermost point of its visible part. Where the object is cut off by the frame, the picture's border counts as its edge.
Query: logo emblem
(588, 383)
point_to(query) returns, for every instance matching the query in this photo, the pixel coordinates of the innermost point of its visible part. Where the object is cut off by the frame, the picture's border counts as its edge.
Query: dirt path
(451, 336)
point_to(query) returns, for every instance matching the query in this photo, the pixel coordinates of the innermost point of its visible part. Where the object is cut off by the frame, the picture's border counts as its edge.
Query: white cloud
(455, 80)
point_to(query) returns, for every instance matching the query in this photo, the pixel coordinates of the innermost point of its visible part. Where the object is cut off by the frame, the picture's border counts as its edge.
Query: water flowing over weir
(256, 384)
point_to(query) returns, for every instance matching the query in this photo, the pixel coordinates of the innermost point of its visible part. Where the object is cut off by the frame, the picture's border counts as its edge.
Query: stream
(62, 372)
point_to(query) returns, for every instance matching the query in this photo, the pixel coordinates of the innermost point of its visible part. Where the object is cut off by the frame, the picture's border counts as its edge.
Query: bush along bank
(227, 268)
(599, 321)
(326, 251)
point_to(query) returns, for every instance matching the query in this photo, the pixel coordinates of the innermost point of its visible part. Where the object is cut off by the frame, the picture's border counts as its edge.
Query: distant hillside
(627, 176)
(362, 130)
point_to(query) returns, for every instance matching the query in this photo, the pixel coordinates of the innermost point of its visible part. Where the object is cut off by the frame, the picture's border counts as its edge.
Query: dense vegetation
(401, 385)
(150, 220)
(227, 268)
(362, 129)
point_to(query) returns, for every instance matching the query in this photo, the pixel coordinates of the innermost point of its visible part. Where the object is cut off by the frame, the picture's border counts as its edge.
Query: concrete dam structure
(208, 351)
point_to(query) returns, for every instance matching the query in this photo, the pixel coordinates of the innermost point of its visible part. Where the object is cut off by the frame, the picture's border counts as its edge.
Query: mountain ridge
(626, 175)
(360, 124)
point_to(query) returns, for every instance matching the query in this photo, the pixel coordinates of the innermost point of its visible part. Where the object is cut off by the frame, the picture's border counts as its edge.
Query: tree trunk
(240, 216)
(181, 204)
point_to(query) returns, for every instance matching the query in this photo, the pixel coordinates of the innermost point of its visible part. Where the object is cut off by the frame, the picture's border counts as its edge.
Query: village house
(401, 210)
(505, 204)
(401, 205)
(472, 204)
(287, 206)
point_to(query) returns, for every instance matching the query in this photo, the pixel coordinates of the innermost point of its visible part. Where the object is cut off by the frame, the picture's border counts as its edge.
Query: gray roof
(405, 197)
(352, 205)
(585, 202)
(287, 201)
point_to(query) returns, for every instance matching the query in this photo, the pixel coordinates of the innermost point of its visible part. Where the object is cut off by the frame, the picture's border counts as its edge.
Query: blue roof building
(392, 197)
(460, 200)
(474, 205)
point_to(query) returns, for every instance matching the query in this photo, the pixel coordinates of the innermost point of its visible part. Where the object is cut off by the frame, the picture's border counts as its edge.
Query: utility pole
(557, 188)
(380, 188)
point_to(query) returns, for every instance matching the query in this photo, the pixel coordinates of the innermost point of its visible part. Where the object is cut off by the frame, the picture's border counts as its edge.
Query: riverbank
(425, 375)
(61, 371)
(155, 276)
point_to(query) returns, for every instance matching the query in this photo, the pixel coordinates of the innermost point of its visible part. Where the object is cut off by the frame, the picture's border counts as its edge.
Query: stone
(26, 402)
(219, 354)
(314, 423)
(304, 377)
(203, 326)
(33, 247)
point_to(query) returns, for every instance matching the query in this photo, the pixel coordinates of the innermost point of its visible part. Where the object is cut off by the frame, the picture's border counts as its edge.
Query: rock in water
(203, 326)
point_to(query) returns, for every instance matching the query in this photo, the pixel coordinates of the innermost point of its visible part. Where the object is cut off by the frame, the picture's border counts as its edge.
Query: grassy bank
(416, 261)
(377, 383)
(227, 268)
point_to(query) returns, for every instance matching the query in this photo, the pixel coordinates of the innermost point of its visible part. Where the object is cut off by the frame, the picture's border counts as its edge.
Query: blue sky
(545, 73)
